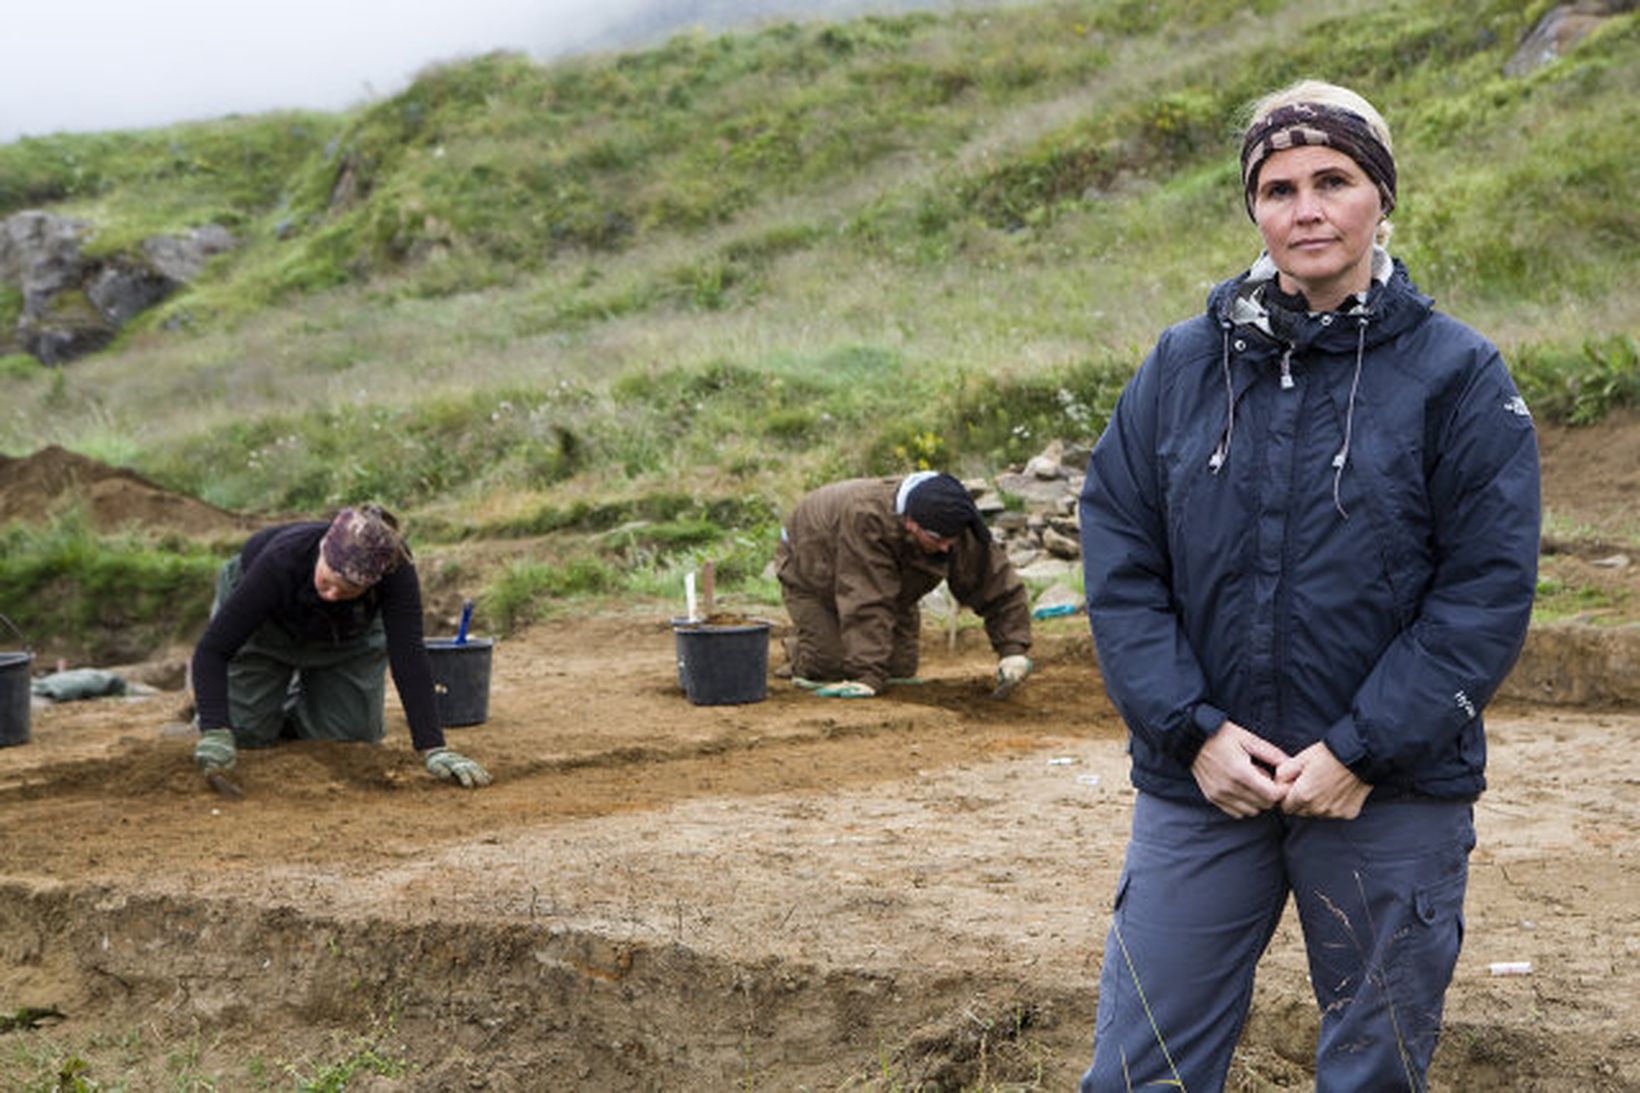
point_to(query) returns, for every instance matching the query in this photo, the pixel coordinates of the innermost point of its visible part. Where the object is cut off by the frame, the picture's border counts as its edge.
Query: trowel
(225, 786)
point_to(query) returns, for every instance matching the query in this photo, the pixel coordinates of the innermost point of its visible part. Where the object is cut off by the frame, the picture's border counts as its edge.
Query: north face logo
(1517, 405)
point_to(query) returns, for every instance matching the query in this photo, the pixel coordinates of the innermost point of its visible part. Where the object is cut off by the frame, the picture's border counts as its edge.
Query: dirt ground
(797, 893)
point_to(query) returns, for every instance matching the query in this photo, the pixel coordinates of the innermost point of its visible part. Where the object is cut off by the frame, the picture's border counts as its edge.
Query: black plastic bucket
(461, 680)
(724, 665)
(677, 646)
(15, 677)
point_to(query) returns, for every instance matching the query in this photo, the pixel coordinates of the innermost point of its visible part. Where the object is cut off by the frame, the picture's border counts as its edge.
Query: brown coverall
(852, 575)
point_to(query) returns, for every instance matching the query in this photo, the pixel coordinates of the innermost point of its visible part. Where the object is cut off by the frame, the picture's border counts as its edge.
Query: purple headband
(1305, 124)
(362, 547)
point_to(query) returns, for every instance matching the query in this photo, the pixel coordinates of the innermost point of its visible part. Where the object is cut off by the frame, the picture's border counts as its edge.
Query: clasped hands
(1243, 774)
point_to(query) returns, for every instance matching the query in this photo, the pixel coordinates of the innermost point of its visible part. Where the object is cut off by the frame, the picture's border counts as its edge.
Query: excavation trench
(791, 893)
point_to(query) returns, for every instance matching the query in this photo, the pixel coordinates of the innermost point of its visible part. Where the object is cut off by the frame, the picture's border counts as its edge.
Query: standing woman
(1310, 535)
(307, 619)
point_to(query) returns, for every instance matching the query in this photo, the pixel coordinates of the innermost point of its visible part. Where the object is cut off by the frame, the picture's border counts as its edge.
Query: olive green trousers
(280, 687)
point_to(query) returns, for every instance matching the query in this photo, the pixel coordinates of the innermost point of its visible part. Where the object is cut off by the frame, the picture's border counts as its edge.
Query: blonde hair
(1325, 94)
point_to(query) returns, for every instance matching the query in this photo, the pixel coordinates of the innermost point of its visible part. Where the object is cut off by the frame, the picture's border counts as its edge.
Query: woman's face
(1318, 212)
(331, 588)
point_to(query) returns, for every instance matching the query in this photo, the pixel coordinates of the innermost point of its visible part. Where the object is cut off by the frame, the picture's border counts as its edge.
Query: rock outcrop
(73, 305)
(1559, 30)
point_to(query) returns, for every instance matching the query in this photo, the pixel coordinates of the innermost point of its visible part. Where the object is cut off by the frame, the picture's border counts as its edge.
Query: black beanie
(942, 505)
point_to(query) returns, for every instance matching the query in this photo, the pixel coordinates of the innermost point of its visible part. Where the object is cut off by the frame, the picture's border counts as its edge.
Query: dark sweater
(276, 586)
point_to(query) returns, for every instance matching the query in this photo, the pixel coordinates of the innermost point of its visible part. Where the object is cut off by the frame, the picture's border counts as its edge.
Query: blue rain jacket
(1331, 534)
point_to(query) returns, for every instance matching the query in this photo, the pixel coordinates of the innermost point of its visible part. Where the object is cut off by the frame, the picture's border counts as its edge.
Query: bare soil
(798, 893)
(54, 482)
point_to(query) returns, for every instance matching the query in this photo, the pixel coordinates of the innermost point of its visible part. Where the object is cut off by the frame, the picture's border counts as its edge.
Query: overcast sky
(121, 64)
(80, 65)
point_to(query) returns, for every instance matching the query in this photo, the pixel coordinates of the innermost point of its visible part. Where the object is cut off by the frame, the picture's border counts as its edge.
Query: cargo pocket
(1441, 904)
(1122, 883)
(1115, 980)
(1424, 955)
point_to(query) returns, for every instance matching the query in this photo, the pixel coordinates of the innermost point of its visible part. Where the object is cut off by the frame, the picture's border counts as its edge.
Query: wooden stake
(706, 591)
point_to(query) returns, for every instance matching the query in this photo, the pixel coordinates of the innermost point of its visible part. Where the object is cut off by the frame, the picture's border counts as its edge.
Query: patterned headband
(1307, 124)
(361, 547)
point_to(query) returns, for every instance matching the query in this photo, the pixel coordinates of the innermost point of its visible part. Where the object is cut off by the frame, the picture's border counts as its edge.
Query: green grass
(526, 591)
(19, 366)
(1557, 601)
(130, 185)
(1579, 385)
(637, 548)
(38, 1063)
(334, 1077)
(733, 267)
(102, 595)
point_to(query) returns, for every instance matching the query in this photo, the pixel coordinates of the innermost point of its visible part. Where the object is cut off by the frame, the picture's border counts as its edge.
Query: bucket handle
(21, 636)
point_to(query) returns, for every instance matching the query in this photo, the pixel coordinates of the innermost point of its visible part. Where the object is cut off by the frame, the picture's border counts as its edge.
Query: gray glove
(450, 764)
(215, 753)
(1012, 670)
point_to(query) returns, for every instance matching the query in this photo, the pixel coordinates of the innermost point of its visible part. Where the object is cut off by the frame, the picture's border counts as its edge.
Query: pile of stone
(1032, 511)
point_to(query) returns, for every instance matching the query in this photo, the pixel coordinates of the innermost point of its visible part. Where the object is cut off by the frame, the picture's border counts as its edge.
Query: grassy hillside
(683, 284)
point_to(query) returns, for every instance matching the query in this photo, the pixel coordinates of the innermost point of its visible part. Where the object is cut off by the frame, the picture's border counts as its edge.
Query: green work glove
(215, 753)
(449, 764)
(1012, 670)
(849, 688)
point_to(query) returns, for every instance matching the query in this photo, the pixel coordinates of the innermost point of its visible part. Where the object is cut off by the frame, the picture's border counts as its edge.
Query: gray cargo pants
(1380, 901)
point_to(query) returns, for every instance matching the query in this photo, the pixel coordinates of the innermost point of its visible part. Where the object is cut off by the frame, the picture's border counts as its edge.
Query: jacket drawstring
(1349, 415)
(1222, 452)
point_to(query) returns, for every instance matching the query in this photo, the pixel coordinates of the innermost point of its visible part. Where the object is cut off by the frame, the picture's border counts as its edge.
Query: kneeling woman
(306, 621)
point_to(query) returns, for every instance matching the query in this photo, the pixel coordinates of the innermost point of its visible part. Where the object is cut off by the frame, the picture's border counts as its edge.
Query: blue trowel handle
(466, 617)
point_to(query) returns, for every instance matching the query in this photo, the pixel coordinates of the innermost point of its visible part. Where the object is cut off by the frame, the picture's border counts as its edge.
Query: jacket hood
(1391, 304)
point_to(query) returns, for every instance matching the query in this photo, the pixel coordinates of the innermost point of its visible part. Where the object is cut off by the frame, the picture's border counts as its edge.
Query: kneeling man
(856, 557)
